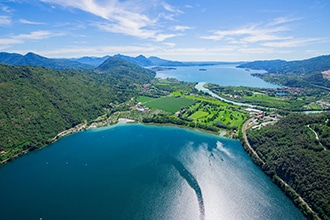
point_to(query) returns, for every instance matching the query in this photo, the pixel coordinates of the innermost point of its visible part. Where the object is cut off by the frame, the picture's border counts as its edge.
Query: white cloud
(22, 38)
(181, 28)
(257, 50)
(6, 9)
(9, 41)
(5, 20)
(24, 21)
(125, 17)
(251, 33)
(262, 37)
(291, 43)
(35, 35)
(282, 20)
(134, 31)
(170, 45)
(171, 8)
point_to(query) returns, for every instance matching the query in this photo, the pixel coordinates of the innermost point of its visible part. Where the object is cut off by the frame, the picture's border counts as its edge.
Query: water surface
(224, 75)
(140, 172)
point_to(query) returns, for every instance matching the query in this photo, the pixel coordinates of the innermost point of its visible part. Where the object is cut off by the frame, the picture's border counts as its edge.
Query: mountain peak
(112, 62)
(123, 67)
(139, 60)
(31, 54)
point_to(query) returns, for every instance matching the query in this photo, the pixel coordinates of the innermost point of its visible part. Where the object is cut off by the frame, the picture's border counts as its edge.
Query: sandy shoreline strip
(125, 120)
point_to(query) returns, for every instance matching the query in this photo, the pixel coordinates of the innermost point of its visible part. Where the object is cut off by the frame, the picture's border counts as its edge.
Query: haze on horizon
(238, 30)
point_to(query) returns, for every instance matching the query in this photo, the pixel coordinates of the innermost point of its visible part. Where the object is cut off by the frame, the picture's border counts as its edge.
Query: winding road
(316, 137)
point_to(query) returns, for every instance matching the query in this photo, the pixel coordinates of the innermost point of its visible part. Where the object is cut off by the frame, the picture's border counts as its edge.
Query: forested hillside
(37, 103)
(308, 66)
(125, 69)
(297, 150)
(300, 73)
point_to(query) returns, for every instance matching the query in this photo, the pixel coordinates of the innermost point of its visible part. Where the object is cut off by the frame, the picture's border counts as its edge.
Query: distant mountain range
(147, 62)
(300, 67)
(300, 73)
(32, 59)
(90, 62)
(307, 66)
(93, 61)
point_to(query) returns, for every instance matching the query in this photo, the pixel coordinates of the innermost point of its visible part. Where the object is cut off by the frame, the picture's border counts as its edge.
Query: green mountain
(37, 103)
(139, 60)
(32, 59)
(301, 73)
(126, 69)
(308, 66)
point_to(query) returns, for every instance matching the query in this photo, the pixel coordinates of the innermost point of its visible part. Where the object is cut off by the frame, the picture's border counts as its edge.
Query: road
(244, 127)
(316, 137)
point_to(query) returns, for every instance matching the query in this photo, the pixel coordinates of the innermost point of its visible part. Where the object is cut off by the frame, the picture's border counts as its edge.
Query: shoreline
(300, 204)
(103, 124)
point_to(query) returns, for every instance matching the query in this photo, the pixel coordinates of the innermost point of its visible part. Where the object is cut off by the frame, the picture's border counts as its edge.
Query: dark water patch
(149, 174)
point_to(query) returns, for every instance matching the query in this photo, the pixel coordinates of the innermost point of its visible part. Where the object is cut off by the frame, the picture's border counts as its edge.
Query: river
(200, 87)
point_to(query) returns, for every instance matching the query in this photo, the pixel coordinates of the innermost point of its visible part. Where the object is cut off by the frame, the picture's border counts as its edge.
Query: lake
(224, 75)
(140, 172)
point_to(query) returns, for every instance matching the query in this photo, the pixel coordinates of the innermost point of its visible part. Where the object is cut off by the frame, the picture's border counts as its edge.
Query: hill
(158, 61)
(126, 69)
(301, 73)
(139, 60)
(308, 66)
(296, 149)
(32, 59)
(37, 103)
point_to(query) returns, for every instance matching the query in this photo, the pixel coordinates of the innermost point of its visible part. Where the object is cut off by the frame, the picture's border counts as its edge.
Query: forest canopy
(297, 150)
(37, 103)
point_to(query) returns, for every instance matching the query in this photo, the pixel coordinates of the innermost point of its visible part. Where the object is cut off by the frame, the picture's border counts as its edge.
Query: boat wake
(191, 180)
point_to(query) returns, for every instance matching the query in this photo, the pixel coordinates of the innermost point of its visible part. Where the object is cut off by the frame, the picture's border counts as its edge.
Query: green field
(144, 99)
(199, 115)
(169, 103)
(210, 113)
(266, 100)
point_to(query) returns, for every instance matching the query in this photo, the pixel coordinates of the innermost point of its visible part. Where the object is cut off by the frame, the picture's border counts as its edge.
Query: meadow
(220, 114)
(170, 104)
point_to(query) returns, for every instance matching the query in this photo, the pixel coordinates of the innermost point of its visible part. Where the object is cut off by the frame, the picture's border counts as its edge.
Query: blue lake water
(140, 172)
(224, 75)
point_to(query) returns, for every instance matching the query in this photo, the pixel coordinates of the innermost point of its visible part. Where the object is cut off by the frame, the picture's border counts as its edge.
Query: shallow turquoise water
(140, 172)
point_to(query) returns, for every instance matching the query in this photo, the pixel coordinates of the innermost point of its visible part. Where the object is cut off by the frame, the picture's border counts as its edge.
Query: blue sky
(195, 30)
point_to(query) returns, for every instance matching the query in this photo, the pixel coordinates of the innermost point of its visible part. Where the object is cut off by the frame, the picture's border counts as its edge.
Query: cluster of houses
(139, 107)
(260, 119)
